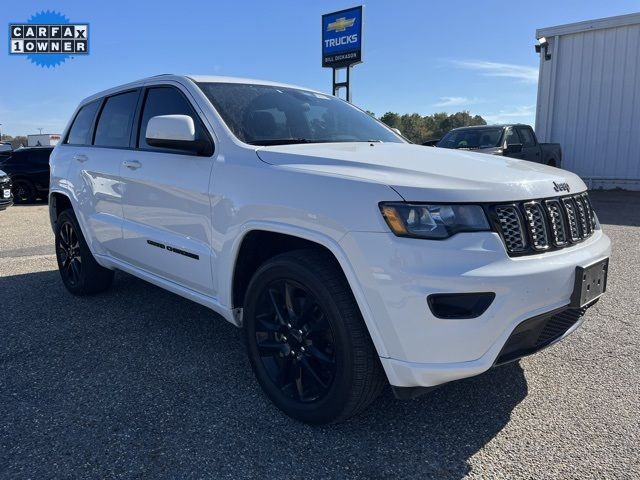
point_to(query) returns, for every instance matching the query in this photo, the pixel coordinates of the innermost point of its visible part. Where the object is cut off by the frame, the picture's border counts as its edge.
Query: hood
(420, 173)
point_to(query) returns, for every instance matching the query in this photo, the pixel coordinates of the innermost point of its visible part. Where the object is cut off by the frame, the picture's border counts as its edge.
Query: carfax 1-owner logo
(48, 39)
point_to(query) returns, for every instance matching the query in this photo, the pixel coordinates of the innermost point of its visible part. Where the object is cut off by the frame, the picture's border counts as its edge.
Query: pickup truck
(515, 140)
(350, 258)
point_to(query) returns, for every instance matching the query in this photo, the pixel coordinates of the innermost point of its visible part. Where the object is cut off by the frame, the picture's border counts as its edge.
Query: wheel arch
(61, 200)
(287, 238)
(58, 202)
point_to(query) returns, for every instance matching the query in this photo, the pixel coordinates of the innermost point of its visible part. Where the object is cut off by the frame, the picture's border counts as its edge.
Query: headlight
(433, 221)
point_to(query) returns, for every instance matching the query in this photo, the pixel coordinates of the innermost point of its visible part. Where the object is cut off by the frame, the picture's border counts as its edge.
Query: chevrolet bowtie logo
(341, 24)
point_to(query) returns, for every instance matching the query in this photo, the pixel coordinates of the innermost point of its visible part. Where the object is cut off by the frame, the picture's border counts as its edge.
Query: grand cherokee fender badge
(561, 187)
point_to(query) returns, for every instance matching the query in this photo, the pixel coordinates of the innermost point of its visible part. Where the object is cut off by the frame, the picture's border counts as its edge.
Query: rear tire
(23, 191)
(306, 340)
(80, 272)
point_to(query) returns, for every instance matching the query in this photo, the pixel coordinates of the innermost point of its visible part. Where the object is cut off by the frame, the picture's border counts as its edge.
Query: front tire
(23, 191)
(306, 340)
(80, 272)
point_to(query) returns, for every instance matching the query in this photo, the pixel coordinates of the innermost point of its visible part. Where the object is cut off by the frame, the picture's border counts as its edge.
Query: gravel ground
(140, 383)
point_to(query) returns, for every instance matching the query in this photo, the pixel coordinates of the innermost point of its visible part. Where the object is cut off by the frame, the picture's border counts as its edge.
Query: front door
(513, 138)
(166, 206)
(530, 148)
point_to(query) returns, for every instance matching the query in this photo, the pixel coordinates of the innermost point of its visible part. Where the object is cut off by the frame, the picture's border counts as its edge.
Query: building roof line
(589, 25)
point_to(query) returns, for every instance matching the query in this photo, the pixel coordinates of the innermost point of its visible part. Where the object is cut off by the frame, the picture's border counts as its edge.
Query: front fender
(228, 262)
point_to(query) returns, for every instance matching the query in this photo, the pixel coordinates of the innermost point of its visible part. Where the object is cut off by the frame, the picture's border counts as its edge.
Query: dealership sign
(342, 38)
(48, 39)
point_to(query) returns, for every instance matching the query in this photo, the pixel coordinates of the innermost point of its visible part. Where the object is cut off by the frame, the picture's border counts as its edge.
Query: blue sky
(420, 56)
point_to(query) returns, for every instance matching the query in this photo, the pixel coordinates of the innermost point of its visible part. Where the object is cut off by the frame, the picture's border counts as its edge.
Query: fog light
(459, 305)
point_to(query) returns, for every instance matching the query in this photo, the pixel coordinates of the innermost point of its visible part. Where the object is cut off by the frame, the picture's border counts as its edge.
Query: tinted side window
(79, 132)
(512, 137)
(41, 157)
(114, 124)
(165, 101)
(527, 137)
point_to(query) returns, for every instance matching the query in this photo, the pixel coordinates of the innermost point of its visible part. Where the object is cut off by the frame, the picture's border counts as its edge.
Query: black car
(29, 172)
(6, 199)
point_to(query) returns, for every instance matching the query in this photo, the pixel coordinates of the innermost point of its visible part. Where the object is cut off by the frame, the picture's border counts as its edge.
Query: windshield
(472, 138)
(273, 115)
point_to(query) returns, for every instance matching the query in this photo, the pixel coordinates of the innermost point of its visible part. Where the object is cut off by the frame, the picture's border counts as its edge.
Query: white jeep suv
(350, 257)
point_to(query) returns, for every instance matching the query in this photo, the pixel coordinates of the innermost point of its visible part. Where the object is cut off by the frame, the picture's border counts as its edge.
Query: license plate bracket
(590, 283)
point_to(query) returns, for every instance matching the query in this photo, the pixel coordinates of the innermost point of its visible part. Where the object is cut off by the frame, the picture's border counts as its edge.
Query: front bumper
(5, 202)
(396, 275)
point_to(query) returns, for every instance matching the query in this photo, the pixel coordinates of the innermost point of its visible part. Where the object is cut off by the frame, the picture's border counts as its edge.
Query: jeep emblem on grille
(561, 187)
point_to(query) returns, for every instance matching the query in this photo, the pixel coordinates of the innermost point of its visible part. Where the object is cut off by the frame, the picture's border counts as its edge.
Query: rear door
(39, 160)
(97, 152)
(166, 207)
(530, 147)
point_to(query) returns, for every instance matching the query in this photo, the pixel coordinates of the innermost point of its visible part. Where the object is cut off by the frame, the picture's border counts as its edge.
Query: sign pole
(338, 85)
(342, 45)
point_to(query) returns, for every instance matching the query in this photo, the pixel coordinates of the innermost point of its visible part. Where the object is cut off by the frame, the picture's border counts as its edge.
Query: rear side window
(527, 137)
(116, 118)
(165, 101)
(79, 132)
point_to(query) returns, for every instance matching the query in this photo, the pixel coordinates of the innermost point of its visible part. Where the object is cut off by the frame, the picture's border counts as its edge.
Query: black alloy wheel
(80, 272)
(68, 250)
(23, 191)
(295, 341)
(306, 339)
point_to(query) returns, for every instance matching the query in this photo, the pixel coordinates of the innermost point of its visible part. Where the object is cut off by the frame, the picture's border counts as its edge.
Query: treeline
(419, 129)
(15, 141)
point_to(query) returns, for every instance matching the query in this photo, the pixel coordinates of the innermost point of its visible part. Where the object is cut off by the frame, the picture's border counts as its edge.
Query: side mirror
(513, 148)
(175, 132)
(397, 131)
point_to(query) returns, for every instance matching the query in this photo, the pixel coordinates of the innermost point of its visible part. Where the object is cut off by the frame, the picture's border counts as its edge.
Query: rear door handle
(132, 164)
(80, 157)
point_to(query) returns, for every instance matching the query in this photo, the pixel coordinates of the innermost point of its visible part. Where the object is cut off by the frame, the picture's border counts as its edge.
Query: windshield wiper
(281, 141)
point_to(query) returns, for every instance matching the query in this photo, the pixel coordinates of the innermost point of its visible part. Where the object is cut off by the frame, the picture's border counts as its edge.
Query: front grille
(585, 222)
(511, 226)
(572, 218)
(556, 222)
(541, 225)
(536, 225)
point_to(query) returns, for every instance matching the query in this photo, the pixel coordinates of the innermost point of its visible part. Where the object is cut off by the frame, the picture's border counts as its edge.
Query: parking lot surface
(140, 383)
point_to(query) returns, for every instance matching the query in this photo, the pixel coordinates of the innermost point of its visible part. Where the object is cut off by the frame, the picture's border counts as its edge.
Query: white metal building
(43, 140)
(589, 98)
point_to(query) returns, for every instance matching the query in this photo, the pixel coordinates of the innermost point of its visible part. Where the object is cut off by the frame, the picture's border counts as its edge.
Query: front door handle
(132, 164)
(80, 157)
